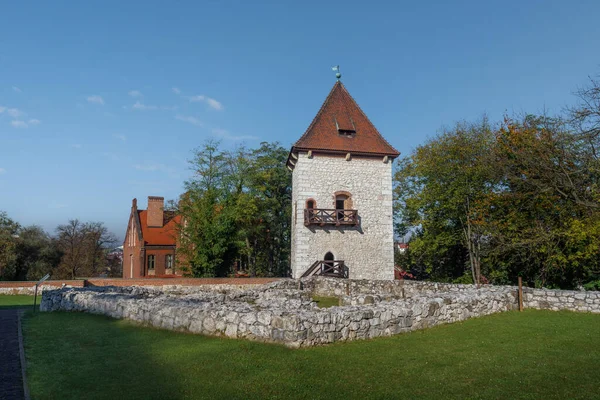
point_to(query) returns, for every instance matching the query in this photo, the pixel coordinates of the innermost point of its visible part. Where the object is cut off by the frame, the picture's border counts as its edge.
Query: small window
(151, 263)
(169, 261)
(310, 204)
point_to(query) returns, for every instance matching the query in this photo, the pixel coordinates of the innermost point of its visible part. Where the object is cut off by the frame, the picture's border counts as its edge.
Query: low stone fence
(283, 311)
(277, 312)
(367, 292)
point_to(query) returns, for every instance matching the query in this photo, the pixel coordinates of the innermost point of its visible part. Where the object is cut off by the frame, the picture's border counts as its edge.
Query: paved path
(11, 381)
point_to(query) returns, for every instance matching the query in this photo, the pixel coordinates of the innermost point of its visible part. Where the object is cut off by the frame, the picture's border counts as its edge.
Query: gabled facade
(150, 241)
(342, 223)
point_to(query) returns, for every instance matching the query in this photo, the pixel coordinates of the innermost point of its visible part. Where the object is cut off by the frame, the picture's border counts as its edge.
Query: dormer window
(345, 127)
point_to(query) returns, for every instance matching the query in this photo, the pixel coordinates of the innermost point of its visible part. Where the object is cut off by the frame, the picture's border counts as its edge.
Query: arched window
(311, 204)
(329, 256)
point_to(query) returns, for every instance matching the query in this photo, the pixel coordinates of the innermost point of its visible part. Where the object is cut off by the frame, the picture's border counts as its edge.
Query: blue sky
(101, 102)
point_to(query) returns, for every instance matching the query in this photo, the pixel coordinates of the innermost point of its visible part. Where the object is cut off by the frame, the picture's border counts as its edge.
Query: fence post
(35, 297)
(520, 294)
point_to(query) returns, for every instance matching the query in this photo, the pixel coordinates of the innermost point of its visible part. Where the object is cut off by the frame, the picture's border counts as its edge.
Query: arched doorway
(328, 262)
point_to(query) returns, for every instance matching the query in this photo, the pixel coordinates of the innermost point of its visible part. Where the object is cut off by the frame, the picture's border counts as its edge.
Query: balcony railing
(321, 216)
(333, 268)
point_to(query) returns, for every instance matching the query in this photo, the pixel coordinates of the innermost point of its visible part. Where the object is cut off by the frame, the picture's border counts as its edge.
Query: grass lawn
(326, 301)
(17, 301)
(533, 354)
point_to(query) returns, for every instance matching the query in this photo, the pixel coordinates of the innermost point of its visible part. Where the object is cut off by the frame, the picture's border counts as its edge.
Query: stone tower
(342, 222)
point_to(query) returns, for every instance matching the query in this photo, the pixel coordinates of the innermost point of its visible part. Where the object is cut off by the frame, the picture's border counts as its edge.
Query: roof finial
(338, 75)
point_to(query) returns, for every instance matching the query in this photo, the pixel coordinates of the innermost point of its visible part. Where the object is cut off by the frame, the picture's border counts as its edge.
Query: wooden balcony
(321, 217)
(333, 268)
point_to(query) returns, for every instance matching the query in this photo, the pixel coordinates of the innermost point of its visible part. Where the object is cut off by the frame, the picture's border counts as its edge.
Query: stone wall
(356, 291)
(366, 249)
(283, 311)
(277, 312)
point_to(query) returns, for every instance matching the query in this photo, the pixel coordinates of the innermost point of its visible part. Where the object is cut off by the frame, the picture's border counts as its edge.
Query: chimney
(134, 204)
(155, 211)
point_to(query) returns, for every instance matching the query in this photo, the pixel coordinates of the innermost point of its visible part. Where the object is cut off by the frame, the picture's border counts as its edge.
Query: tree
(236, 209)
(543, 224)
(83, 246)
(37, 254)
(8, 234)
(438, 189)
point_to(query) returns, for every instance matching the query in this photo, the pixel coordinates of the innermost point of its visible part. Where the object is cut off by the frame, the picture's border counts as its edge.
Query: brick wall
(28, 287)
(179, 281)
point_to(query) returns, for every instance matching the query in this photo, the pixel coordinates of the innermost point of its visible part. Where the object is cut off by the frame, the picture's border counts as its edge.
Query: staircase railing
(332, 268)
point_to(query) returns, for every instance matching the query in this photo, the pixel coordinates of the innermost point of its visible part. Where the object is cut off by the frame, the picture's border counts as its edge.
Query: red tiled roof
(338, 113)
(165, 236)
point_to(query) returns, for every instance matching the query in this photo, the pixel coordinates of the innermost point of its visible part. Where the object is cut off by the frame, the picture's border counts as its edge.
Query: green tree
(8, 242)
(438, 189)
(236, 210)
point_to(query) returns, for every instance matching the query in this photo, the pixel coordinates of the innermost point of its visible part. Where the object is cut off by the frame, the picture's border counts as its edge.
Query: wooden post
(520, 294)
(35, 297)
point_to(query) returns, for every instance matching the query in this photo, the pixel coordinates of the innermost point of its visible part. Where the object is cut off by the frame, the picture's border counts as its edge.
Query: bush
(593, 285)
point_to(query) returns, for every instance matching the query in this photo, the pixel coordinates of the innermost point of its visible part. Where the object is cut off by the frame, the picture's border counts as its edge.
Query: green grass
(326, 302)
(17, 301)
(531, 355)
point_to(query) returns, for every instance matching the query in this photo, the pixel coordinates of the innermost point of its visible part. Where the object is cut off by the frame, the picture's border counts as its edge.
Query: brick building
(150, 241)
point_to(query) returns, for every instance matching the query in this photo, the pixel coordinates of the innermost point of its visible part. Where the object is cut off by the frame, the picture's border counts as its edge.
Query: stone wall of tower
(368, 250)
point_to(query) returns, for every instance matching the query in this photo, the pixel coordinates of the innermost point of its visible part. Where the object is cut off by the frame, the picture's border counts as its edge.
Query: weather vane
(338, 75)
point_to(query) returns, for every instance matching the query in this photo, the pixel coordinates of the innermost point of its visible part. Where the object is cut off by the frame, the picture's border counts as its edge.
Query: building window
(310, 204)
(169, 261)
(151, 263)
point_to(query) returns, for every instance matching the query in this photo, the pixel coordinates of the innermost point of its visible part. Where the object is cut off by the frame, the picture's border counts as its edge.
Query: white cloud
(224, 134)
(150, 167)
(176, 90)
(16, 89)
(19, 124)
(2, 171)
(95, 99)
(76, 146)
(112, 156)
(14, 112)
(188, 119)
(212, 103)
(120, 137)
(2, 109)
(135, 93)
(143, 107)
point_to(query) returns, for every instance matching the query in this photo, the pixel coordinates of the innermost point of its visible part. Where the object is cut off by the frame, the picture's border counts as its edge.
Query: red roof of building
(165, 236)
(342, 127)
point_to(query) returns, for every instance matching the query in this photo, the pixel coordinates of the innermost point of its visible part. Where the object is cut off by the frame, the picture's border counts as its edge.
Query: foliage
(514, 354)
(516, 200)
(437, 190)
(78, 249)
(236, 211)
(8, 234)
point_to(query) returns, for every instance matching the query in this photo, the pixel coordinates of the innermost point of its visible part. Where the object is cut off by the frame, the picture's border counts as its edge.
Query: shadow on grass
(512, 355)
